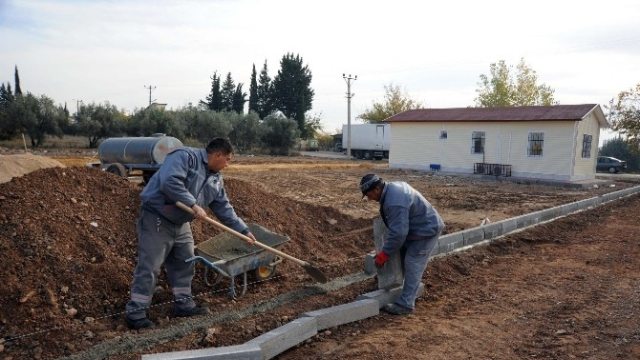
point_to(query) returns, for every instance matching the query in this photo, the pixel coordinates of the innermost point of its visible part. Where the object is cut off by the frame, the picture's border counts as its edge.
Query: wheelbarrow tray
(235, 256)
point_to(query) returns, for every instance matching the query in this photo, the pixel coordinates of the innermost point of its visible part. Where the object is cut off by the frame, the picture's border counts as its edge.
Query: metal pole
(150, 87)
(78, 102)
(349, 96)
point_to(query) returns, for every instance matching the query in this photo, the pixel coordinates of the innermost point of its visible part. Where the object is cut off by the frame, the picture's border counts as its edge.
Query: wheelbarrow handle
(242, 236)
(208, 263)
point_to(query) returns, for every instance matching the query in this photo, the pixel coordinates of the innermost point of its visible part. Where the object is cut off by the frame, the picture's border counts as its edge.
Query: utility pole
(150, 87)
(348, 79)
(79, 103)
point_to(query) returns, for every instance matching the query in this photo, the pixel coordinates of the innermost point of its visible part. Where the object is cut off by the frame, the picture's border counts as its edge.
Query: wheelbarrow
(226, 255)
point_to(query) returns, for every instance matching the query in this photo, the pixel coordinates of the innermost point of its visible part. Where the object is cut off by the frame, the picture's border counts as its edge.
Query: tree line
(276, 118)
(277, 109)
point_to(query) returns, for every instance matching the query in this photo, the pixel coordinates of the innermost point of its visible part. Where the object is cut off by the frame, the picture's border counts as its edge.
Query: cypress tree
(239, 98)
(214, 102)
(17, 82)
(253, 91)
(5, 95)
(227, 92)
(265, 103)
(9, 92)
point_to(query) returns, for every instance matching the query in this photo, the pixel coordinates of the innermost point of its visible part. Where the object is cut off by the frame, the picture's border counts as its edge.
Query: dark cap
(368, 182)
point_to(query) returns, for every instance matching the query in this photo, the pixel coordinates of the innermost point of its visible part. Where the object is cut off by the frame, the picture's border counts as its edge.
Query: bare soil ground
(567, 289)
(564, 290)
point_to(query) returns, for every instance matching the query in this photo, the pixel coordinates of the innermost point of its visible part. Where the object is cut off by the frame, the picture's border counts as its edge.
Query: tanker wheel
(264, 272)
(117, 169)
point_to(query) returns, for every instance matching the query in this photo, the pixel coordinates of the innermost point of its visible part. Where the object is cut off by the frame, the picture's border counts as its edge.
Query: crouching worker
(191, 176)
(413, 230)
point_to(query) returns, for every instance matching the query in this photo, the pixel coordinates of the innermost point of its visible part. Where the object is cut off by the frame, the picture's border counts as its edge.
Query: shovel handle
(242, 236)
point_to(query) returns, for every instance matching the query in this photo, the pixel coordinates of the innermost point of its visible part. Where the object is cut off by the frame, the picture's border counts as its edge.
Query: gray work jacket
(184, 176)
(407, 215)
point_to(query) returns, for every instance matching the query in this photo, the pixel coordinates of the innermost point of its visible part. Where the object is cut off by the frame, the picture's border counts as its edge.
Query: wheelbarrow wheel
(264, 272)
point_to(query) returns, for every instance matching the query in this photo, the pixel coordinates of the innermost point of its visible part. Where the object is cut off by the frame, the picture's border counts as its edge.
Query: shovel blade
(315, 273)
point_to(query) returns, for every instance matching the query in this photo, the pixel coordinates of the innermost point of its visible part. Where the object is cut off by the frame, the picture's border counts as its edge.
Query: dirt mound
(20, 164)
(68, 240)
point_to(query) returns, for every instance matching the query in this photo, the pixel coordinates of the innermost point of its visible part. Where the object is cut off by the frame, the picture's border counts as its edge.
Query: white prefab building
(540, 142)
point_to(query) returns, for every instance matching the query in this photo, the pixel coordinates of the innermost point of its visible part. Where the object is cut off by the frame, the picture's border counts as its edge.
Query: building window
(443, 134)
(477, 142)
(586, 145)
(536, 142)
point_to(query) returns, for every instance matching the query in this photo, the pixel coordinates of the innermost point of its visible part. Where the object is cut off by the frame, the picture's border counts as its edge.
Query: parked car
(610, 164)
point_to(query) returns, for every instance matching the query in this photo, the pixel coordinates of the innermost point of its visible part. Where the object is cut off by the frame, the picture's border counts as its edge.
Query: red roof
(519, 113)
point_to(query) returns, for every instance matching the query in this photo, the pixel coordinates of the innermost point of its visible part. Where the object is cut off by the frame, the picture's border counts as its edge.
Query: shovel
(313, 271)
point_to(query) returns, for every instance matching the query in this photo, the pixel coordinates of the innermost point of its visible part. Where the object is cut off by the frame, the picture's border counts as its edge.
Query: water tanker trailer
(122, 155)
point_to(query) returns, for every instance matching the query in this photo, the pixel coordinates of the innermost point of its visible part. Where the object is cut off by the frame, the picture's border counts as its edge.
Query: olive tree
(395, 101)
(37, 117)
(99, 121)
(280, 133)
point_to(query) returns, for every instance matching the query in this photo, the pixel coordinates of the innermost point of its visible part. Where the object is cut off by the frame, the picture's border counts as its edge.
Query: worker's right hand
(252, 238)
(198, 211)
(381, 258)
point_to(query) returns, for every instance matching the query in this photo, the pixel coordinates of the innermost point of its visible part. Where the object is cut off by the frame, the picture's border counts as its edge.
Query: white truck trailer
(368, 141)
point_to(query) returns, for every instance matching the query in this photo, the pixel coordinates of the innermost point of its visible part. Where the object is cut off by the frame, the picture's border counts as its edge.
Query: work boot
(396, 309)
(194, 311)
(137, 324)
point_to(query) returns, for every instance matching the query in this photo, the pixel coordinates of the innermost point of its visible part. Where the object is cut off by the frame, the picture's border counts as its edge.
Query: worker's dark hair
(220, 145)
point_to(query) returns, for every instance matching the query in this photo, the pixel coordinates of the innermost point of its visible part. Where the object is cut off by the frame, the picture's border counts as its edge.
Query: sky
(435, 51)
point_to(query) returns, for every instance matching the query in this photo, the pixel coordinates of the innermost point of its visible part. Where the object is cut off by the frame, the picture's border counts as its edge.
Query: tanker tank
(136, 151)
(121, 155)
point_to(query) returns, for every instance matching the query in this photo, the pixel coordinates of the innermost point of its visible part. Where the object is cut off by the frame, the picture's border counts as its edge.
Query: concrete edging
(483, 233)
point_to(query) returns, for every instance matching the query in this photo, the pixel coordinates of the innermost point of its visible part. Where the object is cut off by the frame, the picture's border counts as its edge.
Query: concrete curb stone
(236, 352)
(473, 235)
(285, 337)
(449, 242)
(345, 313)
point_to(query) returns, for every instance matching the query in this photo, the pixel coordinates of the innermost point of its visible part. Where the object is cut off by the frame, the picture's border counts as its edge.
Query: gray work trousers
(415, 256)
(160, 241)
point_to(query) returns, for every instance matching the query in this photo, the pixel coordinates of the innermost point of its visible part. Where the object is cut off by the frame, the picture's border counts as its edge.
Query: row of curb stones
(276, 341)
(462, 239)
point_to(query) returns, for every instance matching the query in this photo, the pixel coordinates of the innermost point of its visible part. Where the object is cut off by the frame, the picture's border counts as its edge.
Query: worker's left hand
(253, 238)
(381, 258)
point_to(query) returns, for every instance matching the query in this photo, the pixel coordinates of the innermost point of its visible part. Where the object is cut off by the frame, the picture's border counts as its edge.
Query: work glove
(381, 258)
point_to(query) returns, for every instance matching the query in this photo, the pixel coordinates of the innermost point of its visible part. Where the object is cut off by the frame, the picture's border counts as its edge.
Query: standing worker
(413, 229)
(191, 176)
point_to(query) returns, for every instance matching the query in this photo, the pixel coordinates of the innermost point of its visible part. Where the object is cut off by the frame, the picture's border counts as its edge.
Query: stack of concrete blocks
(391, 274)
